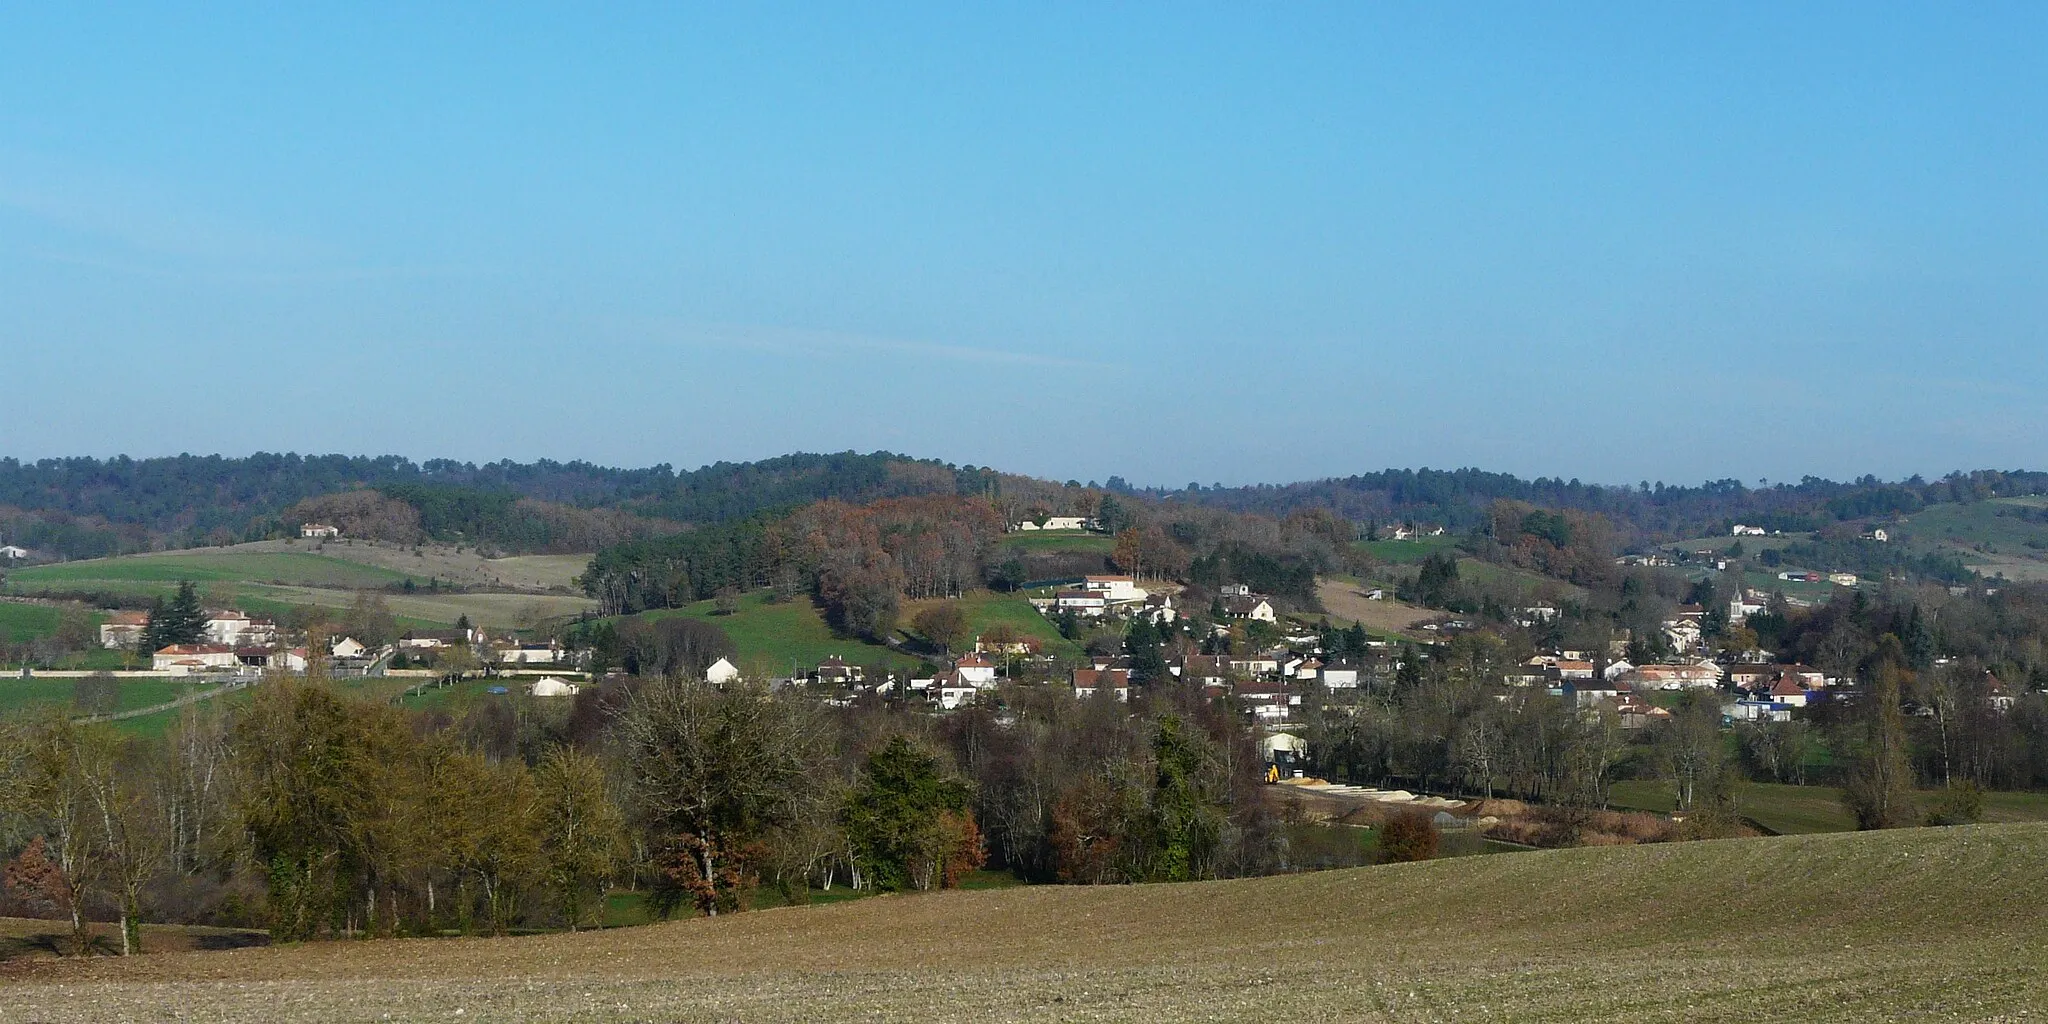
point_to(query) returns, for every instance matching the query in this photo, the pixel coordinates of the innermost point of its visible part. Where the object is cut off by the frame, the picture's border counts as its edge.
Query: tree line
(314, 813)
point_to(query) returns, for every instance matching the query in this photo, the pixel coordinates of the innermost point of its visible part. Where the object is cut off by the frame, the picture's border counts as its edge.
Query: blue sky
(1174, 242)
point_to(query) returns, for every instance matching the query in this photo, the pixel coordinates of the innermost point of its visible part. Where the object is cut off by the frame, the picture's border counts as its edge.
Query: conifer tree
(179, 621)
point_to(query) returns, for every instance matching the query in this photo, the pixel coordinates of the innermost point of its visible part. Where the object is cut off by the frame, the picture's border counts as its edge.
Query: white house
(1080, 602)
(435, 639)
(526, 654)
(1569, 669)
(1266, 703)
(1740, 530)
(186, 659)
(12, 553)
(1788, 693)
(836, 669)
(1756, 711)
(1054, 523)
(238, 630)
(1114, 589)
(976, 671)
(1842, 579)
(350, 647)
(549, 686)
(721, 672)
(1249, 606)
(1339, 677)
(1253, 664)
(1159, 608)
(1087, 681)
(320, 531)
(123, 629)
(953, 691)
(1685, 675)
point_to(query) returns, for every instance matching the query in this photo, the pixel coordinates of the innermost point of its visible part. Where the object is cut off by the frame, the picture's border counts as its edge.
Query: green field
(278, 569)
(773, 637)
(984, 608)
(1807, 809)
(24, 622)
(1750, 545)
(1999, 536)
(1910, 925)
(1406, 552)
(24, 694)
(1532, 585)
(1058, 540)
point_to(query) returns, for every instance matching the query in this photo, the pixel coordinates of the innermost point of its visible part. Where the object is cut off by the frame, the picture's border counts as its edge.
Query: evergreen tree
(905, 818)
(1187, 825)
(1148, 663)
(178, 621)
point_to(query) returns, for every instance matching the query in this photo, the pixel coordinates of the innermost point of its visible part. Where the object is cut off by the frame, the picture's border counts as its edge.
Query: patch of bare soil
(1346, 601)
(465, 568)
(1913, 924)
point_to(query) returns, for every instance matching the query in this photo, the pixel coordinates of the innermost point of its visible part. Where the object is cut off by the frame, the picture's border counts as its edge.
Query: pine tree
(178, 621)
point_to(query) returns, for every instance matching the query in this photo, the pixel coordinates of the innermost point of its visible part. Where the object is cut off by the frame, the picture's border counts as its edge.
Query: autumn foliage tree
(1408, 836)
(942, 624)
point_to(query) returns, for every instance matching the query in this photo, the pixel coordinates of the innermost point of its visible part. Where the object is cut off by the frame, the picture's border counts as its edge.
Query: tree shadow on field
(230, 940)
(55, 943)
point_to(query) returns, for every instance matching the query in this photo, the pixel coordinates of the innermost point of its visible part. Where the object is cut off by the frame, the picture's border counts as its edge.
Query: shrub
(1406, 837)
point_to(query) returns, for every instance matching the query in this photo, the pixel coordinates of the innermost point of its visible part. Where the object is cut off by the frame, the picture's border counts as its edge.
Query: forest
(1461, 499)
(858, 561)
(313, 813)
(87, 507)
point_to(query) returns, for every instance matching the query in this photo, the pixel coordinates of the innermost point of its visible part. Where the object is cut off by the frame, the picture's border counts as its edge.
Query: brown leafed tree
(942, 624)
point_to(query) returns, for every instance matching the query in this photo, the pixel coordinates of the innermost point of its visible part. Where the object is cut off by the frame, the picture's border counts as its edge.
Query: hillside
(269, 577)
(2007, 536)
(1945, 924)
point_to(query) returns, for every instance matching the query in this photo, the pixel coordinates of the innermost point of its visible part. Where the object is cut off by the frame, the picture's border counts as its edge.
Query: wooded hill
(87, 507)
(1460, 499)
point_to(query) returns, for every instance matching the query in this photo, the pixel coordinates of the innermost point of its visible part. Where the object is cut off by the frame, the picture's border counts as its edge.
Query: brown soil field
(24, 939)
(1921, 924)
(1347, 602)
(535, 573)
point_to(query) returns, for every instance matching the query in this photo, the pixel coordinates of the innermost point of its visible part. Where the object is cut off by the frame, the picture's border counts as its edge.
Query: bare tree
(720, 769)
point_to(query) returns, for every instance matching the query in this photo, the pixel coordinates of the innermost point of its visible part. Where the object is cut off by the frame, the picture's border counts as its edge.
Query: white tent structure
(549, 686)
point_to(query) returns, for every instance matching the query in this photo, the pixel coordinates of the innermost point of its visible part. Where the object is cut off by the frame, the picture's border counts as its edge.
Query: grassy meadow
(1919, 924)
(1406, 552)
(1044, 541)
(207, 566)
(25, 694)
(985, 608)
(21, 622)
(772, 636)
